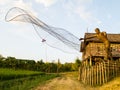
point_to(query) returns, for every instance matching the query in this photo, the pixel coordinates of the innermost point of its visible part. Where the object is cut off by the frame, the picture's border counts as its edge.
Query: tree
(58, 65)
(11, 62)
(2, 61)
(77, 64)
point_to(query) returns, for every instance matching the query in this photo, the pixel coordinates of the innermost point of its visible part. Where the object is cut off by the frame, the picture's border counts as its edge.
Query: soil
(64, 82)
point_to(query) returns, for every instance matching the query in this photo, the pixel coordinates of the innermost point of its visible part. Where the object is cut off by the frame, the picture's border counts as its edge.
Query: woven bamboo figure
(103, 37)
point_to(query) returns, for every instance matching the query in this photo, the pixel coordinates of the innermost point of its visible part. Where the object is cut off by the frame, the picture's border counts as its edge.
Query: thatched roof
(113, 38)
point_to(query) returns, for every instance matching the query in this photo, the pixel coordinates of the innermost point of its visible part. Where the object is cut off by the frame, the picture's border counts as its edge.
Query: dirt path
(65, 82)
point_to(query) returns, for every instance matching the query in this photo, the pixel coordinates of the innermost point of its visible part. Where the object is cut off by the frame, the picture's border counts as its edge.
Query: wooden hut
(93, 49)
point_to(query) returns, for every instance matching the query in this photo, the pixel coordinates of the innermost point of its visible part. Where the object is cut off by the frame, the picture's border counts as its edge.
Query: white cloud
(81, 8)
(5, 5)
(22, 4)
(85, 1)
(26, 6)
(87, 15)
(46, 3)
(3, 2)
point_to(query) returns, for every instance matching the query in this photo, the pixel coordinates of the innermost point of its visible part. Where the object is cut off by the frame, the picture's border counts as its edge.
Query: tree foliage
(49, 67)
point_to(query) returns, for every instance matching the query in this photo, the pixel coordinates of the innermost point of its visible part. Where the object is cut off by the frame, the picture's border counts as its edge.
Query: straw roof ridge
(111, 37)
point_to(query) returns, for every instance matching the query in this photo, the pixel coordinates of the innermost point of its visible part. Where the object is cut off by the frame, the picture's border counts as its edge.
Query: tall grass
(8, 74)
(21, 79)
(27, 83)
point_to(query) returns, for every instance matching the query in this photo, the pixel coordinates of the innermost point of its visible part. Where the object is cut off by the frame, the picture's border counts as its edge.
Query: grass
(22, 79)
(8, 74)
(25, 83)
(112, 85)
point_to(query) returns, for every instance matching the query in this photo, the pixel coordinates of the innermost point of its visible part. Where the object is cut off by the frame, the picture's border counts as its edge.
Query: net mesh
(54, 37)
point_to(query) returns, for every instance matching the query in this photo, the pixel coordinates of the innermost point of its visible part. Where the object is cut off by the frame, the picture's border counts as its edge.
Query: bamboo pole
(100, 72)
(116, 69)
(113, 73)
(108, 67)
(97, 74)
(93, 75)
(90, 75)
(103, 78)
(82, 75)
(79, 73)
(85, 75)
(105, 72)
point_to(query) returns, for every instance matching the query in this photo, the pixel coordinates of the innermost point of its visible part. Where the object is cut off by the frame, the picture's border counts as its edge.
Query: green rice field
(8, 74)
(22, 79)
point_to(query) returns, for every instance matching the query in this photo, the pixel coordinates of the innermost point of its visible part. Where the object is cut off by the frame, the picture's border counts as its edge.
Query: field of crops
(21, 79)
(8, 74)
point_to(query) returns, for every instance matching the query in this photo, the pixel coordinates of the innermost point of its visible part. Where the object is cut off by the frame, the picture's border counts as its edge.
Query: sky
(76, 16)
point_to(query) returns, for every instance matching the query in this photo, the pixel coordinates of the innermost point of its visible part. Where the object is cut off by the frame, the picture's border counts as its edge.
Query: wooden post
(97, 74)
(100, 72)
(103, 79)
(85, 74)
(90, 76)
(79, 74)
(82, 78)
(90, 60)
(115, 69)
(105, 72)
(108, 67)
(113, 73)
(86, 62)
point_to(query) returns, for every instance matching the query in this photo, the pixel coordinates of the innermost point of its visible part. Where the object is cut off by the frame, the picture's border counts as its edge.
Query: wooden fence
(100, 73)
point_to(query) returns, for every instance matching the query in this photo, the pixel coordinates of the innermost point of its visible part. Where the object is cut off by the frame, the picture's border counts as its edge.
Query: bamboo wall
(100, 73)
(98, 49)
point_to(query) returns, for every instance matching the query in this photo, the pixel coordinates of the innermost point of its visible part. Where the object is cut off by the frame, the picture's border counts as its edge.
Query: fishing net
(52, 36)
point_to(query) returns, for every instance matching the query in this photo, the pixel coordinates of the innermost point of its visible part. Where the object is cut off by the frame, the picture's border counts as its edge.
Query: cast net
(52, 36)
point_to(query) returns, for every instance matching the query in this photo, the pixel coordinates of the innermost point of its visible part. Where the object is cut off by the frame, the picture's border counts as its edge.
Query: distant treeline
(50, 67)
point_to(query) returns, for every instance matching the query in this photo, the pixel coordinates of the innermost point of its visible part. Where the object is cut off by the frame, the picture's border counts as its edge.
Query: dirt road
(65, 82)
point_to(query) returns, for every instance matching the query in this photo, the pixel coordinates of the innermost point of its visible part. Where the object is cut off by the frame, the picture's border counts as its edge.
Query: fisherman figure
(103, 37)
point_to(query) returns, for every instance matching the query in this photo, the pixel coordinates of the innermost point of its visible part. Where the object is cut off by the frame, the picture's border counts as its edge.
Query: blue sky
(76, 16)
